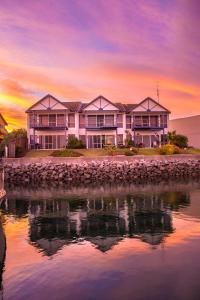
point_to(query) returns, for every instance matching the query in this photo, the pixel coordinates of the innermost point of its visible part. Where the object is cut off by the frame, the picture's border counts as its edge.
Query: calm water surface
(101, 243)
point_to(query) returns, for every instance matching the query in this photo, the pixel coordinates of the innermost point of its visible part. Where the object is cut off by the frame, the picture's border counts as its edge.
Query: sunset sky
(76, 50)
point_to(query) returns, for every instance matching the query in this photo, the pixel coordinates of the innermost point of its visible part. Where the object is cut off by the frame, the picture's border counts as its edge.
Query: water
(121, 242)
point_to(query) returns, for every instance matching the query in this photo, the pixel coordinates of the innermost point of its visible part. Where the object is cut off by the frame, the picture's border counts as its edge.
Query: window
(60, 120)
(138, 140)
(146, 141)
(81, 121)
(145, 121)
(163, 121)
(155, 141)
(109, 139)
(71, 120)
(92, 121)
(32, 119)
(137, 121)
(43, 120)
(100, 120)
(52, 120)
(128, 122)
(154, 121)
(50, 141)
(120, 121)
(109, 120)
(61, 141)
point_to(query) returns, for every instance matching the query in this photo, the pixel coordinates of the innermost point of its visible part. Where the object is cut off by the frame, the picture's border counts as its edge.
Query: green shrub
(169, 149)
(179, 140)
(74, 143)
(110, 150)
(65, 153)
(130, 143)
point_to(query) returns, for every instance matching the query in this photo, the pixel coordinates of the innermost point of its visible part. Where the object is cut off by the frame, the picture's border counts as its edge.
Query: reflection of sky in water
(102, 243)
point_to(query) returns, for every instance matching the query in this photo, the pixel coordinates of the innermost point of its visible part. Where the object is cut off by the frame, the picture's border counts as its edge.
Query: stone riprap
(102, 171)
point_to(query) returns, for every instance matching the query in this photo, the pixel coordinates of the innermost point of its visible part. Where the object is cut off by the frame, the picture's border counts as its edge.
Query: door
(96, 141)
(146, 141)
(50, 142)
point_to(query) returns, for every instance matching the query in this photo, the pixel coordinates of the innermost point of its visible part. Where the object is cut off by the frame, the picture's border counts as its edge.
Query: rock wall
(106, 171)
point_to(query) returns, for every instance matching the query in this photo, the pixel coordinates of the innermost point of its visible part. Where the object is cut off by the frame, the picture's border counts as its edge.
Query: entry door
(50, 142)
(146, 141)
(97, 141)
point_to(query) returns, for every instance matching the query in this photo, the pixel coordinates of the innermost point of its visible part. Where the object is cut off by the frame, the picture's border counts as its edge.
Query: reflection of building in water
(2, 256)
(103, 221)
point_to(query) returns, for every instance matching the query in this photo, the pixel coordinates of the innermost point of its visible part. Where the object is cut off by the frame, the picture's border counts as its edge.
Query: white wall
(188, 126)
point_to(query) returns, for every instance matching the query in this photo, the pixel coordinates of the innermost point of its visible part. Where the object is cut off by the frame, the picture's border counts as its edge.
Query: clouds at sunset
(76, 50)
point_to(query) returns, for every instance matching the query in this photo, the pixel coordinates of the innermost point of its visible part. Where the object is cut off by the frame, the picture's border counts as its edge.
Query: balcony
(48, 126)
(101, 126)
(148, 126)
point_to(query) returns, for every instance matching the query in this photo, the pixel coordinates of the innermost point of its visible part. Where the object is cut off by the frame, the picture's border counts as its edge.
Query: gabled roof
(100, 96)
(78, 106)
(38, 102)
(120, 106)
(156, 103)
(73, 106)
(130, 107)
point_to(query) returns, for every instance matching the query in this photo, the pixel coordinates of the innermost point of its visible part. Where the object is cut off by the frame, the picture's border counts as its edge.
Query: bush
(169, 149)
(111, 150)
(65, 153)
(74, 143)
(179, 140)
(130, 143)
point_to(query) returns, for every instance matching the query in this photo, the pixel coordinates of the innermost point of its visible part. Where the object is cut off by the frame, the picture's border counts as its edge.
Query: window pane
(60, 120)
(81, 121)
(71, 120)
(109, 120)
(128, 122)
(120, 121)
(92, 121)
(43, 120)
(154, 121)
(52, 120)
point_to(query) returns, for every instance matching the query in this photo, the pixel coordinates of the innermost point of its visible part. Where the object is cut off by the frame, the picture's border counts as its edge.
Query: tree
(74, 143)
(14, 135)
(179, 140)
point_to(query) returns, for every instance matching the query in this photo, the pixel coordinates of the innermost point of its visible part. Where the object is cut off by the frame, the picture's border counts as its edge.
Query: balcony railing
(149, 126)
(105, 125)
(54, 126)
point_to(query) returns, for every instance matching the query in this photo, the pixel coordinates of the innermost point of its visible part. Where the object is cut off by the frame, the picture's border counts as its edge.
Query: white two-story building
(97, 123)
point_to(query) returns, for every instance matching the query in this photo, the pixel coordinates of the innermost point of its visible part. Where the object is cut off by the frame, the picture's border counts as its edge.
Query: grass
(38, 153)
(66, 153)
(97, 152)
(193, 151)
(148, 151)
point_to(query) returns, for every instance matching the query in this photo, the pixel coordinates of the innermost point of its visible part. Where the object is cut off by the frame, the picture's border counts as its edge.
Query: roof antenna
(158, 92)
